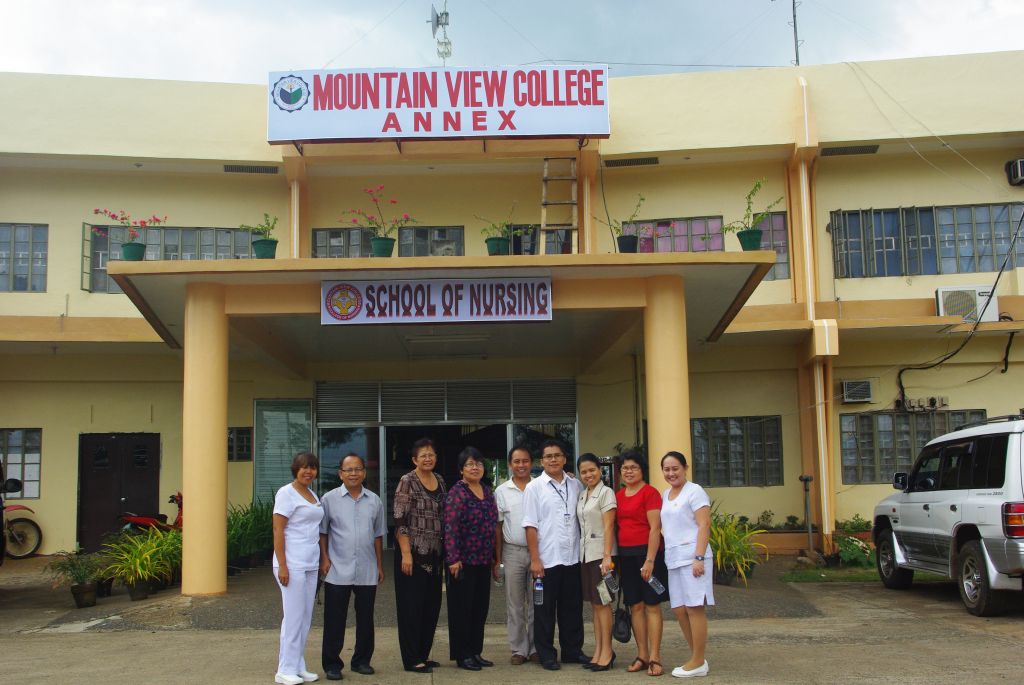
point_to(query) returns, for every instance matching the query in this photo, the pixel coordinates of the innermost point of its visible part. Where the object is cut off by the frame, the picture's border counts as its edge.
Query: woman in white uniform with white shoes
(686, 528)
(297, 515)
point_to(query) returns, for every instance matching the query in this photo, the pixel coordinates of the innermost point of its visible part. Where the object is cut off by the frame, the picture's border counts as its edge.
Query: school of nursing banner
(435, 300)
(464, 102)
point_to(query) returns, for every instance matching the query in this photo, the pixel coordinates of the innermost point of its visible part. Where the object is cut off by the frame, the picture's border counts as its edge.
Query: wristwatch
(699, 558)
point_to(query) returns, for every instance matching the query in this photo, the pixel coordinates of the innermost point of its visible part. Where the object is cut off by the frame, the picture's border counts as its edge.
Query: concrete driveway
(770, 632)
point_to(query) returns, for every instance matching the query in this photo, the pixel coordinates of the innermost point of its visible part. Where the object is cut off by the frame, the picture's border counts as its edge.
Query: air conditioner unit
(1015, 172)
(966, 301)
(857, 391)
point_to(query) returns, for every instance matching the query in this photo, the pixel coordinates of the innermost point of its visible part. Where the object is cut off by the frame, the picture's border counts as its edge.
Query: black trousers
(418, 603)
(469, 598)
(563, 601)
(336, 615)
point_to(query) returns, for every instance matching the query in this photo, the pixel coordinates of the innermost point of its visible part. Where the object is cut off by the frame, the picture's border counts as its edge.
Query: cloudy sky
(241, 40)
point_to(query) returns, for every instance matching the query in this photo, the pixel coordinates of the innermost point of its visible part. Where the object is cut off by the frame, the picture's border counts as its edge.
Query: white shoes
(308, 677)
(285, 679)
(680, 672)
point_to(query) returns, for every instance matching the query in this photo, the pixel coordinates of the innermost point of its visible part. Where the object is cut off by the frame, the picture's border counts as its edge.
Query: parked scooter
(135, 522)
(23, 535)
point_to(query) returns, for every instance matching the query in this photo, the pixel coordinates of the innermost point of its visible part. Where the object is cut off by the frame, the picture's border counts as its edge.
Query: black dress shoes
(362, 669)
(581, 659)
(551, 666)
(333, 673)
(480, 661)
(469, 663)
(422, 668)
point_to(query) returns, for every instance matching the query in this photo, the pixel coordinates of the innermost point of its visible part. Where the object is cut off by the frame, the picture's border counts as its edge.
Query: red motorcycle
(135, 522)
(23, 534)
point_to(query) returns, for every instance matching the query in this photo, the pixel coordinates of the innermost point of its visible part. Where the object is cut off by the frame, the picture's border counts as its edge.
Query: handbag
(622, 625)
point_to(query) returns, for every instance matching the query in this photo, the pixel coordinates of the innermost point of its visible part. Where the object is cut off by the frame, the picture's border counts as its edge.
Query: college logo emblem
(343, 302)
(290, 93)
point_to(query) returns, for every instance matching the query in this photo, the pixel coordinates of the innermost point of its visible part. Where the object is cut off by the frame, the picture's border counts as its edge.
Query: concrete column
(666, 371)
(204, 461)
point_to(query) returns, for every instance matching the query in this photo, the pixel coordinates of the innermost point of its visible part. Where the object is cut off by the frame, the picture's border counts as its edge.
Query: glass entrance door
(335, 443)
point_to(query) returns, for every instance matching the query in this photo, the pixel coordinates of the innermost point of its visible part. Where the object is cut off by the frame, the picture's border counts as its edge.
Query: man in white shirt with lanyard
(510, 550)
(553, 539)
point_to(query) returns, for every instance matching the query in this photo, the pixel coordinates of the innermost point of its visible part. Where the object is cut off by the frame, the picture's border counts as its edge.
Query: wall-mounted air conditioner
(857, 391)
(966, 301)
(1015, 172)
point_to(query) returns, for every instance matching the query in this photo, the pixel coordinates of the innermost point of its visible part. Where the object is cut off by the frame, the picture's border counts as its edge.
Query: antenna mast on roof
(439, 20)
(796, 37)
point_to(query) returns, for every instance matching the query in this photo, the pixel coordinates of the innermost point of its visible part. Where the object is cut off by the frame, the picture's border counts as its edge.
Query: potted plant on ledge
(77, 571)
(264, 247)
(131, 250)
(498, 234)
(134, 559)
(625, 243)
(382, 244)
(749, 236)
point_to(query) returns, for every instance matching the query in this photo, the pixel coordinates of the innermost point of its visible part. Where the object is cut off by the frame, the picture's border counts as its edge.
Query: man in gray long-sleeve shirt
(351, 547)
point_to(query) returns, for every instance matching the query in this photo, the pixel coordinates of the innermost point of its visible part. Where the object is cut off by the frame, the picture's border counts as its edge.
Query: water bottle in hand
(656, 585)
(611, 581)
(500, 580)
(538, 591)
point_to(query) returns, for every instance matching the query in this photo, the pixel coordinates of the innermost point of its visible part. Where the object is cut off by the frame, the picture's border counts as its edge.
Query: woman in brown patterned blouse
(419, 509)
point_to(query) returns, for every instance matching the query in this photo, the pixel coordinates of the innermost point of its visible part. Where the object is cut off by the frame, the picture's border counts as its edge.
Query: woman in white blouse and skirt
(297, 515)
(686, 527)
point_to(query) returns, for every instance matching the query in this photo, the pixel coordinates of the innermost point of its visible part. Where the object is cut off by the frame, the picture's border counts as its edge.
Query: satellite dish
(437, 20)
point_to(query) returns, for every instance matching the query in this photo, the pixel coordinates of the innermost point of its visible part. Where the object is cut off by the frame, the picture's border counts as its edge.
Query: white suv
(960, 513)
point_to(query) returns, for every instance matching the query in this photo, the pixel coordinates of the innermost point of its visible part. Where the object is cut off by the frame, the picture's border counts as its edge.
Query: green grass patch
(851, 574)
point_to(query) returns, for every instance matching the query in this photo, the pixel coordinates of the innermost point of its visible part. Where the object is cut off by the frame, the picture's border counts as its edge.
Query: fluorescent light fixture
(445, 339)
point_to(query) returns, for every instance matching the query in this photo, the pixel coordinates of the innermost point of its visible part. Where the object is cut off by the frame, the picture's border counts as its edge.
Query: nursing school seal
(343, 302)
(290, 93)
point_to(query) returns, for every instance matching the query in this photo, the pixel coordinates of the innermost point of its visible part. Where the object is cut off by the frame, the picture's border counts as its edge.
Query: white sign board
(435, 300)
(464, 102)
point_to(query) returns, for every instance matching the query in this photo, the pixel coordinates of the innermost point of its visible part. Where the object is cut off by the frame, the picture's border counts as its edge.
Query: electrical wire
(518, 32)
(360, 39)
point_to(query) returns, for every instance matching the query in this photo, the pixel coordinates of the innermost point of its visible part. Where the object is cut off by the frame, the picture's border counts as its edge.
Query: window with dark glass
(341, 242)
(876, 445)
(103, 244)
(431, 241)
(23, 257)
(239, 444)
(737, 451)
(21, 453)
(916, 241)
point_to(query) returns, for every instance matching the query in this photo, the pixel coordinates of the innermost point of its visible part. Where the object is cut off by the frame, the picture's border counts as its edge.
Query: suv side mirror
(12, 485)
(899, 481)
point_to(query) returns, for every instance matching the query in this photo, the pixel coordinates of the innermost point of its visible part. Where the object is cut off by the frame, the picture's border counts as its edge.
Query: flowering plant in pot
(78, 571)
(625, 243)
(131, 250)
(382, 243)
(749, 236)
(498, 234)
(264, 247)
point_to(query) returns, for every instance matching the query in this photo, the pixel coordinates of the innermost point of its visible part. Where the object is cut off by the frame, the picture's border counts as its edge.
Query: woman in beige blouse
(596, 512)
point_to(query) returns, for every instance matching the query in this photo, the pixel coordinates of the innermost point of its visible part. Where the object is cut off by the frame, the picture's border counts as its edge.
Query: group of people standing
(554, 541)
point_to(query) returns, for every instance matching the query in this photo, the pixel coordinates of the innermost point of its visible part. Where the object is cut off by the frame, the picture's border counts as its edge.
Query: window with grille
(876, 445)
(239, 444)
(21, 452)
(341, 242)
(104, 244)
(431, 241)
(737, 451)
(23, 257)
(915, 241)
(694, 234)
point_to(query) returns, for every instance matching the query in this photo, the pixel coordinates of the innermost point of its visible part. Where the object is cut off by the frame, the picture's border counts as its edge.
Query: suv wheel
(975, 590)
(893, 577)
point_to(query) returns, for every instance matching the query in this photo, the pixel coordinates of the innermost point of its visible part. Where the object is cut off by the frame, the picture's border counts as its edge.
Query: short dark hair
(304, 459)
(420, 444)
(674, 455)
(469, 452)
(637, 457)
(554, 442)
(352, 454)
(588, 456)
(519, 448)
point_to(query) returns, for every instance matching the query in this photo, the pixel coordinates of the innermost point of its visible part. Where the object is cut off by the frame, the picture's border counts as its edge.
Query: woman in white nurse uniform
(686, 527)
(297, 515)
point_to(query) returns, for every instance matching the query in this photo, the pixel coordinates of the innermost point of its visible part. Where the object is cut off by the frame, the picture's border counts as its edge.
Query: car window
(987, 468)
(956, 459)
(926, 472)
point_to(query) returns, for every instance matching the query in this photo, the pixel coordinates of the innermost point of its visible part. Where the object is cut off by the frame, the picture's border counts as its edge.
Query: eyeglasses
(629, 468)
(357, 469)
(472, 465)
(556, 455)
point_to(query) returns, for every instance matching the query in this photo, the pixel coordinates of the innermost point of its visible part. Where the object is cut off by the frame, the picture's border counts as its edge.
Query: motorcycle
(136, 522)
(23, 534)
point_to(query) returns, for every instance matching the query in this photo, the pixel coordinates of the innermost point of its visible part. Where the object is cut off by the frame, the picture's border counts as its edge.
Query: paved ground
(770, 632)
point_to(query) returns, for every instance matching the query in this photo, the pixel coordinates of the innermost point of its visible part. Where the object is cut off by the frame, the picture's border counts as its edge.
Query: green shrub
(852, 551)
(135, 557)
(857, 524)
(73, 568)
(733, 544)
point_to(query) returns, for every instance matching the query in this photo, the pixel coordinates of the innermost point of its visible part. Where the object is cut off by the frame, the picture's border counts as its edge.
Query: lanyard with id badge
(564, 498)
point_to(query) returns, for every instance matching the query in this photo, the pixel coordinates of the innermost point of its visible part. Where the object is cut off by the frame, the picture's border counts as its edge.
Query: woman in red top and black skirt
(641, 556)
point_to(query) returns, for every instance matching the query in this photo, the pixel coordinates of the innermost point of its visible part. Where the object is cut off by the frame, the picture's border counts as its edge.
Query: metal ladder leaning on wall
(557, 172)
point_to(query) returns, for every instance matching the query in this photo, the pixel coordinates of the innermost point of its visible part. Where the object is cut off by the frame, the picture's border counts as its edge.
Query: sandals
(651, 665)
(643, 666)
